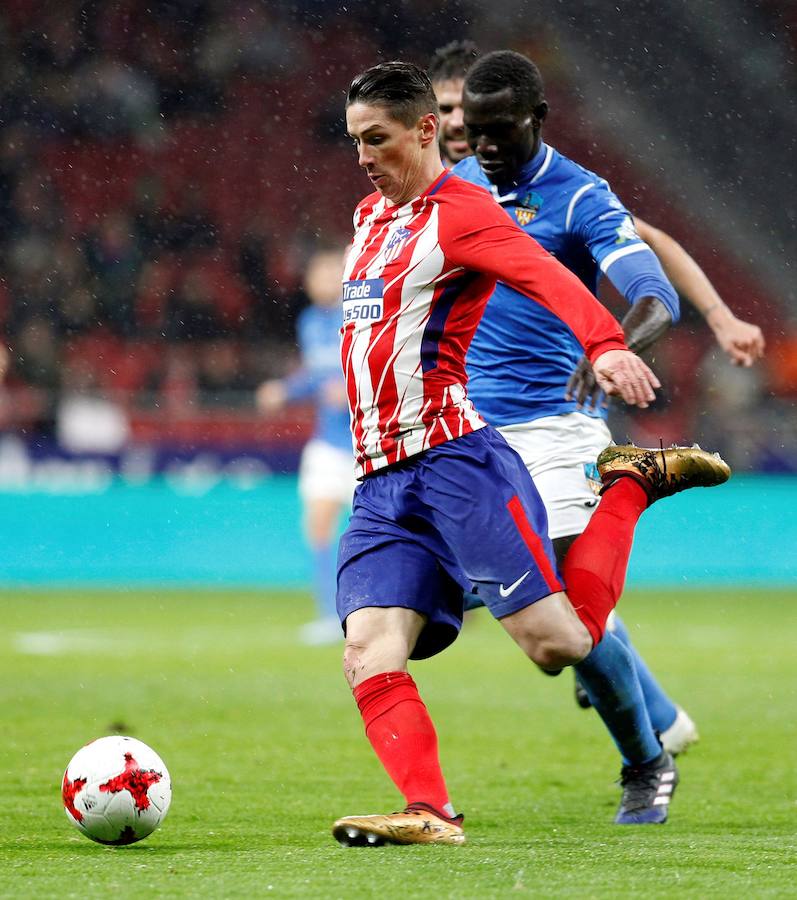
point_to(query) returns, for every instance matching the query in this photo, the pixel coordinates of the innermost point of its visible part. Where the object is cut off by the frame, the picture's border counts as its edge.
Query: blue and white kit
(522, 356)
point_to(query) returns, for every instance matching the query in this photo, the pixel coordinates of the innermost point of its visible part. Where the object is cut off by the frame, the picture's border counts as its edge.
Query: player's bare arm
(643, 325)
(742, 341)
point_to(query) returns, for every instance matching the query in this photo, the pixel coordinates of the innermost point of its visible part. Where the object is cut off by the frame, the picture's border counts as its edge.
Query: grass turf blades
(266, 749)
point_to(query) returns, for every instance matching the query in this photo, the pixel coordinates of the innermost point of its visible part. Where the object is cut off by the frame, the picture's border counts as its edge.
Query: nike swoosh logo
(505, 592)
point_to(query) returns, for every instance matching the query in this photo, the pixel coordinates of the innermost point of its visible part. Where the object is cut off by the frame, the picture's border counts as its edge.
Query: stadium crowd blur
(166, 170)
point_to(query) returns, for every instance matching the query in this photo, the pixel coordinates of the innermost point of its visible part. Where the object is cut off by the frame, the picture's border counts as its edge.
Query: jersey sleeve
(598, 218)
(476, 234)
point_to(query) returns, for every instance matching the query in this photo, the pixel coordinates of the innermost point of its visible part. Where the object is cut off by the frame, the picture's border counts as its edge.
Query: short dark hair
(452, 61)
(507, 69)
(402, 88)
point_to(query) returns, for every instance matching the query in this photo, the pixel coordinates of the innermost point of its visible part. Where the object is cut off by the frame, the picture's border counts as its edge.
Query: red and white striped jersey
(415, 283)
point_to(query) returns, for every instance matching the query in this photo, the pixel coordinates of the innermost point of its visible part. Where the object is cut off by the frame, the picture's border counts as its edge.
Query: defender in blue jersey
(559, 446)
(522, 359)
(326, 470)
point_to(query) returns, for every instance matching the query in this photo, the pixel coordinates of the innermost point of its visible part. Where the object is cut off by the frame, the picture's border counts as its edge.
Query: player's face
(389, 151)
(502, 138)
(453, 144)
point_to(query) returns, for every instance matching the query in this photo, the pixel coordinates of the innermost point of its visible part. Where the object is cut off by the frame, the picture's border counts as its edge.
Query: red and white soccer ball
(116, 790)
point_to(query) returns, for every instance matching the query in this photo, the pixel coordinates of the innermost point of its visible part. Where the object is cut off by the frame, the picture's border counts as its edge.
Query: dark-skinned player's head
(447, 70)
(401, 88)
(504, 107)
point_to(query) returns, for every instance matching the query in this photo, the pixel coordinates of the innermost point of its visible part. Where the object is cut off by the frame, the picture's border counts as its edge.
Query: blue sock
(609, 678)
(325, 577)
(661, 709)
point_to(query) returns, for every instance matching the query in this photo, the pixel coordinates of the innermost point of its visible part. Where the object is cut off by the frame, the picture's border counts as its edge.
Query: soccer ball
(116, 790)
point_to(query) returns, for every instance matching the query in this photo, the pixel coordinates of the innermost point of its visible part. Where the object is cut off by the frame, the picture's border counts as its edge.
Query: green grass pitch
(266, 749)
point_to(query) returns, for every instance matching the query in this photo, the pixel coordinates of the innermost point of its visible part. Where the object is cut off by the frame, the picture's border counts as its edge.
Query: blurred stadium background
(166, 171)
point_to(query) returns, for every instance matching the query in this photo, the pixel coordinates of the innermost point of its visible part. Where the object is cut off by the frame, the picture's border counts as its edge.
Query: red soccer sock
(595, 566)
(402, 734)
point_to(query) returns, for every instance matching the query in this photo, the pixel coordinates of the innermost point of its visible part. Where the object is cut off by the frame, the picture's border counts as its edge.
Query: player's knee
(560, 649)
(549, 632)
(354, 661)
(365, 658)
(553, 657)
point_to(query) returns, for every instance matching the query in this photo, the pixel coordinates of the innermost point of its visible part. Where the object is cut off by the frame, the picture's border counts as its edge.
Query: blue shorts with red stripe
(462, 517)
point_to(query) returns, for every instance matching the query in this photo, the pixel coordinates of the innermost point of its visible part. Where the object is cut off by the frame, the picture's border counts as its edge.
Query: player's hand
(583, 387)
(621, 373)
(270, 396)
(742, 341)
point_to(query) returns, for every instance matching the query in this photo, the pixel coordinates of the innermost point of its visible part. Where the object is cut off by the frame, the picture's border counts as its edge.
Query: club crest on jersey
(528, 207)
(395, 243)
(363, 300)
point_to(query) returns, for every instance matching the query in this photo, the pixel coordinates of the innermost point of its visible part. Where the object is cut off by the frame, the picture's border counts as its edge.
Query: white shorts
(326, 473)
(560, 454)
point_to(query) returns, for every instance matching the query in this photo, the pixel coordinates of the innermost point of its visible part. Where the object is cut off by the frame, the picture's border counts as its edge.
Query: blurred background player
(326, 470)
(742, 341)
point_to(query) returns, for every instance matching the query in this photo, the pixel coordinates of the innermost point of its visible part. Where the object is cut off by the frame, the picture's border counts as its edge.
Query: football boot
(417, 824)
(662, 472)
(647, 791)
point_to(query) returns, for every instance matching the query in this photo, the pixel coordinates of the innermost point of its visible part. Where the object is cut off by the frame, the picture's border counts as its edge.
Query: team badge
(395, 244)
(527, 208)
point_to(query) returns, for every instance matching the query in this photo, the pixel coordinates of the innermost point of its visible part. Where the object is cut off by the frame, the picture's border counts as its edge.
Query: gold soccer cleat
(418, 824)
(662, 472)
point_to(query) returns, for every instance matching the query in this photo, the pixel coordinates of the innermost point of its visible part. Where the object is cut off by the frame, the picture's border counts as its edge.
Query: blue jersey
(320, 377)
(522, 355)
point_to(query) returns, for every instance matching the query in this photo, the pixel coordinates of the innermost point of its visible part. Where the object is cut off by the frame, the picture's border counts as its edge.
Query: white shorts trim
(326, 472)
(560, 454)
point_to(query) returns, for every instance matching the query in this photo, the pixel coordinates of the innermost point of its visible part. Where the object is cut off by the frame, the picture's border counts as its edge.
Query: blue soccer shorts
(462, 517)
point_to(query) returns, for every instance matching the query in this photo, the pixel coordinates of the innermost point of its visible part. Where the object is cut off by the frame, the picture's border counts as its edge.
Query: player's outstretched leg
(633, 478)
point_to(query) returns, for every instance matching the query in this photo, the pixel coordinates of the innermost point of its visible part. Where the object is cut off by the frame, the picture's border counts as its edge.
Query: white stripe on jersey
(575, 198)
(619, 254)
(426, 264)
(544, 167)
(409, 320)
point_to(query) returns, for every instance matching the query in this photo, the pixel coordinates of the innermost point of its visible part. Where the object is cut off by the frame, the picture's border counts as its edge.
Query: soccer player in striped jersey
(444, 504)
